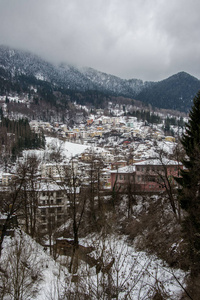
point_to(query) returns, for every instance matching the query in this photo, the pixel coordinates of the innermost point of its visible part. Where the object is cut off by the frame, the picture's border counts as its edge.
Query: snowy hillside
(114, 84)
(175, 92)
(134, 275)
(19, 62)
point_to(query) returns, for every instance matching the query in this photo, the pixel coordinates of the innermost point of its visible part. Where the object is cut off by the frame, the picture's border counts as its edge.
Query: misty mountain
(19, 67)
(113, 84)
(69, 77)
(176, 92)
(19, 63)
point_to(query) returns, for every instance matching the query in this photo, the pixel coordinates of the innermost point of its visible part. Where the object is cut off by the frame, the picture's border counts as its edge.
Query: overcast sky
(144, 39)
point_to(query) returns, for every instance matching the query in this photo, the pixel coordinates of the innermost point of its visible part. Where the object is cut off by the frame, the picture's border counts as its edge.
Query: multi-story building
(7, 178)
(54, 171)
(151, 175)
(52, 206)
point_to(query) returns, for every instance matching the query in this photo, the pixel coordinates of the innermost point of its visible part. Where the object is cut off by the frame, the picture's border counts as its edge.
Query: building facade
(151, 175)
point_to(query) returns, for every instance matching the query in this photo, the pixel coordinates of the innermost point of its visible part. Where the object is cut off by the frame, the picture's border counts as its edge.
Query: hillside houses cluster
(56, 182)
(120, 155)
(105, 131)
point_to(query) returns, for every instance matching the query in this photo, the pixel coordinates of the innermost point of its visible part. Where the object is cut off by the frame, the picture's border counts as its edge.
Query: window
(58, 193)
(43, 211)
(58, 201)
(151, 178)
(51, 220)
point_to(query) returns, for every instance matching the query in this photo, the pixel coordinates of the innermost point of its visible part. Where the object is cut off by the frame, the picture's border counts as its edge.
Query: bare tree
(70, 186)
(77, 202)
(167, 181)
(20, 272)
(28, 169)
(11, 203)
(94, 170)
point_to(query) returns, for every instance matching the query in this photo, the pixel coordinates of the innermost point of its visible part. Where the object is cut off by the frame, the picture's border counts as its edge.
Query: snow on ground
(23, 257)
(134, 275)
(68, 149)
(151, 150)
(166, 146)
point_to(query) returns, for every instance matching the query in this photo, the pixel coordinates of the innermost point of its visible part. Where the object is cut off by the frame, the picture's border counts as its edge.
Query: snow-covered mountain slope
(24, 63)
(130, 87)
(175, 92)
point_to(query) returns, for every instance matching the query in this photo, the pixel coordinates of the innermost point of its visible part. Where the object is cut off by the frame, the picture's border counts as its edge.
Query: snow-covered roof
(158, 162)
(51, 186)
(126, 169)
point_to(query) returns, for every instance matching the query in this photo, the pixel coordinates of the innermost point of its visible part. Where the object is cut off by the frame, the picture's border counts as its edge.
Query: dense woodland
(16, 135)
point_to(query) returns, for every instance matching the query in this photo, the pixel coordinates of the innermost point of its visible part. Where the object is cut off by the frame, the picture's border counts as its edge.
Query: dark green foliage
(91, 97)
(190, 185)
(145, 115)
(1, 113)
(19, 135)
(175, 92)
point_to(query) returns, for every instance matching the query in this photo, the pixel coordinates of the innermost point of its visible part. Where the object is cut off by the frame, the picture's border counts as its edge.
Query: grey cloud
(131, 39)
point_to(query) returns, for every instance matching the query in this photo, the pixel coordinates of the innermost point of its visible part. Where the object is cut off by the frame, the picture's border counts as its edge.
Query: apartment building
(152, 175)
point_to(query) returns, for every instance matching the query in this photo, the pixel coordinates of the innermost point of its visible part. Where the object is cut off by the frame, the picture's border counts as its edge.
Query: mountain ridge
(175, 92)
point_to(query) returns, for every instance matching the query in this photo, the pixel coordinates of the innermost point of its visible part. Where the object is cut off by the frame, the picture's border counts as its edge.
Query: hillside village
(118, 139)
(105, 162)
(120, 149)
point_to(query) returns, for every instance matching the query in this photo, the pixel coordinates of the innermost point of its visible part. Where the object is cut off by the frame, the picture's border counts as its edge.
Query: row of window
(51, 219)
(48, 194)
(51, 210)
(154, 168)
(51, 201)
(126, 177)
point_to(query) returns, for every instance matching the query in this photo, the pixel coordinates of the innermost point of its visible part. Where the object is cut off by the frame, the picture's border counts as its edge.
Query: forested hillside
(20, 70)
(16, 135)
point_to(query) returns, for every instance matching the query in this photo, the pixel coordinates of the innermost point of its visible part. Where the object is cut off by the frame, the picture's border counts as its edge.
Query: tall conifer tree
(190, 185)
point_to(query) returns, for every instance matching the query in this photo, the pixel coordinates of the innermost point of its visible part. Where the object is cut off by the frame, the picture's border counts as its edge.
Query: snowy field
(68, 149)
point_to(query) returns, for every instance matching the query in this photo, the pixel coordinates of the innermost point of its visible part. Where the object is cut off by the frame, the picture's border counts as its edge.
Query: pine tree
(190, 186)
